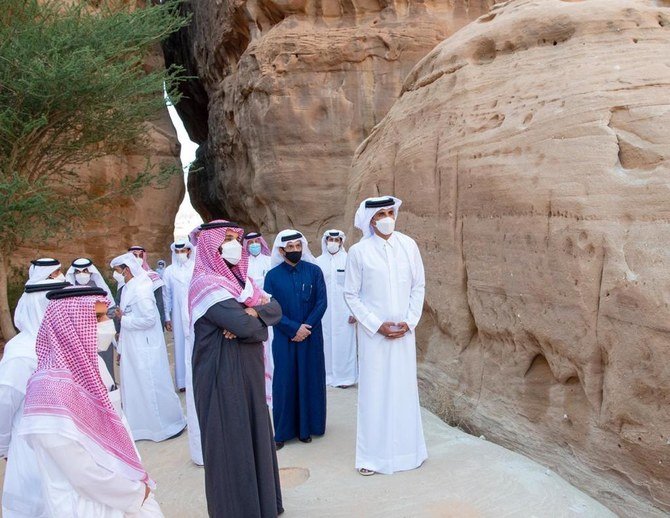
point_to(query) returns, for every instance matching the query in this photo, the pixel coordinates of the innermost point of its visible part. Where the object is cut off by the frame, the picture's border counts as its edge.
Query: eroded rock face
(531, 150)
(147, 220)
(293, 88)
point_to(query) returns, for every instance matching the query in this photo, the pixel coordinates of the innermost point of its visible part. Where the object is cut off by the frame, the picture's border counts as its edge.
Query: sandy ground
(464, 477)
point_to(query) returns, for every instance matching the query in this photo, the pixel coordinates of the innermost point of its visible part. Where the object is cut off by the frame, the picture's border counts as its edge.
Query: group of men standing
(318, 309)
(255, 329)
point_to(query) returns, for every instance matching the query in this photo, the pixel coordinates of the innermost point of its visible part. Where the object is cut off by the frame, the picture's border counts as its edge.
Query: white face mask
(105, 334)
(386, 226)
(332, 247)
(231, 251)
(60, 278)
(119, 278)
(82, 278)
(181, 258)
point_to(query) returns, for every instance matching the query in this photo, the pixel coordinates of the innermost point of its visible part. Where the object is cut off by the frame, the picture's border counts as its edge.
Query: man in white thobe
(82, 272)
(339, 332)
(177, 278)
(22, 495)
(149, 399)
(384, 289)
(39, 271)
(260, 264)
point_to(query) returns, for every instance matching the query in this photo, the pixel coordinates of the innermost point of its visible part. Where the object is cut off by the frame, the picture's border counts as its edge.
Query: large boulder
(531, 151)
(292, 88)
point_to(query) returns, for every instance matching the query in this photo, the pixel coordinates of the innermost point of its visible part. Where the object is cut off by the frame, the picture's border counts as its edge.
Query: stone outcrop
(293, 87)
(531, 149)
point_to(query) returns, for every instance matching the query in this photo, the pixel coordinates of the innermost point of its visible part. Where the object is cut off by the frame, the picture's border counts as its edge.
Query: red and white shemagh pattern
(67, 381)
(265, 249)
(145, 266)
(211, 273)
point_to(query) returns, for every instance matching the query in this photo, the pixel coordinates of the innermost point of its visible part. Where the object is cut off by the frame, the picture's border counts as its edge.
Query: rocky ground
(464, 477)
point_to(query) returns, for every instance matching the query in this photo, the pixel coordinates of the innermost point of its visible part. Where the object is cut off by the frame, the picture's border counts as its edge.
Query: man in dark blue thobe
(299, 384)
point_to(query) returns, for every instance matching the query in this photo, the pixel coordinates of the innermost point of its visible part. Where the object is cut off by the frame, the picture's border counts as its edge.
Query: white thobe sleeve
(353, 279)
(143, 316)
(89, 479)
(11, 398)
(167, 296)
(10, 402)
(418, 289)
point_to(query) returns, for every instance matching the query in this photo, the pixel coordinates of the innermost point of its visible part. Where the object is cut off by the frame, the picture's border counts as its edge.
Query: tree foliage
(73, 88)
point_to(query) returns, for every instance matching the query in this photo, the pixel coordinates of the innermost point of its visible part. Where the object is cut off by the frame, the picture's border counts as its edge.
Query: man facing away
(22, 493)
(384, 289)
(339, 333)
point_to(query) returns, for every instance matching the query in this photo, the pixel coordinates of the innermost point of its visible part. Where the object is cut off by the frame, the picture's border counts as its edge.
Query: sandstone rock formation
(531, 149)
(292, 88)
(147, 220)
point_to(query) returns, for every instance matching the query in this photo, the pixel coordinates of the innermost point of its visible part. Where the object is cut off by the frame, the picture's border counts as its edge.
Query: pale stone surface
(293, 88)
(530, 149)
(464, 477)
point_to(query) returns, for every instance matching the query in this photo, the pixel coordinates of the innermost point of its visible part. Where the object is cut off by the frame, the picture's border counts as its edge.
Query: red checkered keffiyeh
(66, 395)
(213, 280)
(155, 278)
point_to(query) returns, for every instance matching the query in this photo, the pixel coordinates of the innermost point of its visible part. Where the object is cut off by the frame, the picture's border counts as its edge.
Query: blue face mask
(255, 249)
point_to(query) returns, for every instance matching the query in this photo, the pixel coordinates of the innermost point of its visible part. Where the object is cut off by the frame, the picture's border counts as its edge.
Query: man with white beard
(384, 288)
(177, 278)
(339, 338)
(22, 494)
(149, 400)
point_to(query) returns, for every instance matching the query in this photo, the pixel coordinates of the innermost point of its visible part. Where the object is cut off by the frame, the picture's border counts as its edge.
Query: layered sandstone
(531, 149)
(292, 88)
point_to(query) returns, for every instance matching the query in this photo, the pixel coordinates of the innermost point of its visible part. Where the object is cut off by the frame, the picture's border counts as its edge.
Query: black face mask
(294, 257)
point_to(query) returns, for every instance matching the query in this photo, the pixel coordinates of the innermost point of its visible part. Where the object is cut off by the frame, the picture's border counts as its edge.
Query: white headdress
(32, 305)
(284, 238)
(332, 233)
(40, 269)
(132, 262)
(368, 208)
(96, 276)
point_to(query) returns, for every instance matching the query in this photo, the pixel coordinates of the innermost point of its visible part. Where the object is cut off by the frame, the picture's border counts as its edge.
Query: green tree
(73, 88)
